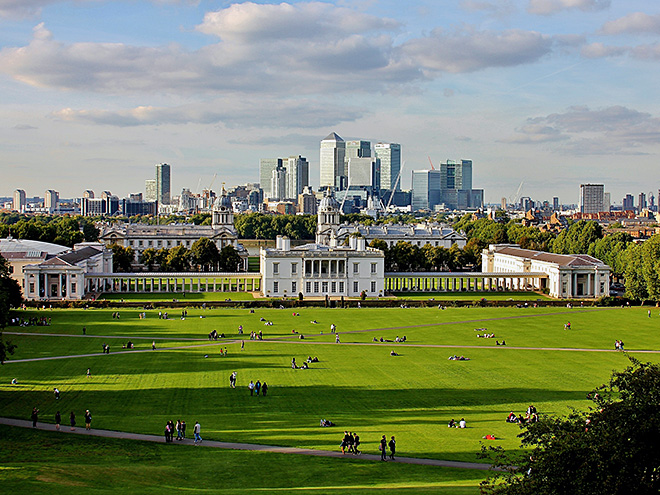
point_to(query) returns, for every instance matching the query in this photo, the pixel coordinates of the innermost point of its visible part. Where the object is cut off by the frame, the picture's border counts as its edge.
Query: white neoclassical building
(142, 236)
(323, 267)
(568, 275)
(419, 235)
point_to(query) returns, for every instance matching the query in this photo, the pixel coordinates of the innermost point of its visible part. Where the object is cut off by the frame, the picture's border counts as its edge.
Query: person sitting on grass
(392, 353)
(315, 359)
(512, 418)
(462, 423)
(304, 366)
(451, 424)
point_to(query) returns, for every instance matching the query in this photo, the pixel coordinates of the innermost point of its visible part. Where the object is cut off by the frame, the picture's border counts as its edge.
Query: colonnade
(459, 282)
(160, 282)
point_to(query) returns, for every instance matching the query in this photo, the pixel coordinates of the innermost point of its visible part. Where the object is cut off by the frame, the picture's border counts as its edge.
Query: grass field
(356, 384)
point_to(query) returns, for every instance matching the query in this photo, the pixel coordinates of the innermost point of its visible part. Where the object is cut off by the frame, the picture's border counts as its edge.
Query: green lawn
(356, 384)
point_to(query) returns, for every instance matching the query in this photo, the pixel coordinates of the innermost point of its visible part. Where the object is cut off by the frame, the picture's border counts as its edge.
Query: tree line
(63, 230)
(202, 256)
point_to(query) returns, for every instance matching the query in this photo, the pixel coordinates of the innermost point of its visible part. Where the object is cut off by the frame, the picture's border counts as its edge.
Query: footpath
(239, 446)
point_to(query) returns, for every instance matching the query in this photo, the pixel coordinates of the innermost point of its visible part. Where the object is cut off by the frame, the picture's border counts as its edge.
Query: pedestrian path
(241, 446)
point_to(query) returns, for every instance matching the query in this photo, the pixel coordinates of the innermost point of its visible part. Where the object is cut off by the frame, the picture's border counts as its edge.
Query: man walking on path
(251, 387)
(58, 420)
(392, 445)
(383, 448)
(264, 389)
(35, 417)
(257, 387)
(153, 345)
(88, 420)
(197, 431)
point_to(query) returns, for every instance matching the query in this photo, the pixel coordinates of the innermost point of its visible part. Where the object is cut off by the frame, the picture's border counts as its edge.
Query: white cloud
(598, 50)
(469, 50)
(635, 23)
(23, 8)
(548, 7)
(231, 112)
(614, 129)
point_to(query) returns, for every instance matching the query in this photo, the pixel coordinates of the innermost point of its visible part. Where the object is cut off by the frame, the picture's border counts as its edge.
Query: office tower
(266, 167)
(20, 201)
(88, 194)
(628, 203)
(278, 184)
(307, 201)
(389, 155)
(163, 183)
(356, 149)
(526, 203)
(150, 190)
(555, 203)
(591, 198)
(332, 163)
(503, 204)
(363, 175)
(51, 200)
(641, 202)
(426, 189)
(297, 176)
(457, 192)
(607, 201)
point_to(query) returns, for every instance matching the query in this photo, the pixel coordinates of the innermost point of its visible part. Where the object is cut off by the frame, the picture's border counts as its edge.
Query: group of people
(383, 448)
(305, 364)
(349, 443)
(142, 316)
(115, 315)
(162, 316)
(486, 335)
(32, 321)
(106, 349)
(255, 388)
(618, 345)
(458, 358)
(128, 345)
(325, 423)
(454, 424)
(497, 342)
(213, 335)
(567, 325)
(257, 336)
(397, 339)
(232, 380)
(58, 417)
(179, 428)
(530, 416)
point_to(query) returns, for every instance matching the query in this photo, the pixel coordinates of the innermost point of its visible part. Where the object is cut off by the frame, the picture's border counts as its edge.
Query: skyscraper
(591, 198)
(641, 202)
(426, 189)
(150, 190)
(51, 200)
(555, 203)
(19, 201)
(389, 155)
(163, 186)
(628, 203)
(332, 163)
(278, 184)
(297, 176)
(357, 149)
(266, 167)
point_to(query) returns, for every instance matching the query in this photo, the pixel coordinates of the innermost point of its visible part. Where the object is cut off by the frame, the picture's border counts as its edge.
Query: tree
(204, 253)
(122, 258)
(10, 296)
(579, 238)
(609, 449)
(148, 258)
(90, 232)
(178, 259)
(229, 259)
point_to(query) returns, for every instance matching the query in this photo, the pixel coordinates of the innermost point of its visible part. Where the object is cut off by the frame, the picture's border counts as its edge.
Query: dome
(329, 202)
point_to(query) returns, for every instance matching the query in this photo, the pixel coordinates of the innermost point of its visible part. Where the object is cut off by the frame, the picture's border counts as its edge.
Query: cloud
(548, 7)
(231, 112)
(635, 23)
(598, 50)
(498, 9)
(468, 50)
(614, 129)
(19, 9)
(24, 127)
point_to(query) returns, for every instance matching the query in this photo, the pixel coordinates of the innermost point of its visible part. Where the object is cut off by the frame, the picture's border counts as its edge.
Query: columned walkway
(463, 281)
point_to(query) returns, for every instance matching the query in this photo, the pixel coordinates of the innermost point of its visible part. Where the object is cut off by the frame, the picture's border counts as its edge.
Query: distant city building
(266, 167)
(389, 155)
(278, 184)
(307, 202)
(555, 204)
(426, 189)
(88, 194)
(51, 200)
(607, 201)
(150, 189)
(628, 203)
(332, 162)
(641, 202)
(20, 201)
(107, 204)
(503, 204)
(363, 175)
(163, 183)
(419, 235)
(591, 198)
(297, 176)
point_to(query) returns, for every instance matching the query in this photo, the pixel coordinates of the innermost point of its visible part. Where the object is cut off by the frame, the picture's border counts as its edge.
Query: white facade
(569, 275)
(418, 235)
(317, 270)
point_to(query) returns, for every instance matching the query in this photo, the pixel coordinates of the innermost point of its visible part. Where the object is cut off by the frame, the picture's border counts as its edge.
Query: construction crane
(396, 183)
(432, 167)
(213, 180)
(514, 199)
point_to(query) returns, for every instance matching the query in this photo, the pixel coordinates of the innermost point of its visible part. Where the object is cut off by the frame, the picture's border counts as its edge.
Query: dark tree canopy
(10, 297)
(610, 449)
(122, 257)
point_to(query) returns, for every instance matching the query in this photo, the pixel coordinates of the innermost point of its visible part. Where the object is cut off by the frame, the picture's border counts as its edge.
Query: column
(589, 293)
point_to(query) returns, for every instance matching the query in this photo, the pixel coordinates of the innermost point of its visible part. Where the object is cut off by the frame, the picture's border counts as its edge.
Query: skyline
(552, 92)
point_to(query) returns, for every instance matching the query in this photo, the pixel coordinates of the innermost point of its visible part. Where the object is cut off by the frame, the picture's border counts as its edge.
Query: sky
(547, 93)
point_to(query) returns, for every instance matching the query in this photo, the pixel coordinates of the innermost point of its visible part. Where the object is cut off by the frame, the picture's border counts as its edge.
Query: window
(293, 288)
(308, 287)
(356, 287)
(316, 287)
(276, 287)
(276, 268)
(356, 267)
(31, 286)
(73, 288)
(341, 286)
(373, 286)
(334, 287)
(325, 287)
(294, 268)
(140, 243)
(160, 243)
(373, 267)
(149, 243)
(563, 286)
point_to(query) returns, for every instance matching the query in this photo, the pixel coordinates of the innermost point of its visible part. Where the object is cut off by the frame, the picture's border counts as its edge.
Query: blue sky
(552, 92)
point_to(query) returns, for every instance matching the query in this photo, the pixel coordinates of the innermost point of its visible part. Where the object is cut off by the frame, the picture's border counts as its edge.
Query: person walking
(34, 416)
(88, 420)
(183, 428)
(257, 387)
(72, 420)
(264, 389)
(383, 448)
(89, 372)
(153, 345)
(356, 444)
(197, 430)
(392, 445)
(179, 436)
(58, 420)
(56, 391)
(251, 387)
(242, 345)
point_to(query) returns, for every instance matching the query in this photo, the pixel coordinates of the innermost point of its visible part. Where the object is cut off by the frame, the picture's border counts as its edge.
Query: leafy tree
(122, 258)
(229, 259)
(90, 232)
(609, 449)
(635, 284)
(204, 253)
(148, 258)
(178, 259)
(579, 238)
(382, 245)
(10, 296)
(610, 248)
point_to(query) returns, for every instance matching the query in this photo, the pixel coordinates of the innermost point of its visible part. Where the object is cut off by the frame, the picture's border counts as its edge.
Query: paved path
(241, 446)
(128, 337)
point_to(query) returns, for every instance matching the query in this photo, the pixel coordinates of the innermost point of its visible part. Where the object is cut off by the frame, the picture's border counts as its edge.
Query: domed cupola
(327, 218)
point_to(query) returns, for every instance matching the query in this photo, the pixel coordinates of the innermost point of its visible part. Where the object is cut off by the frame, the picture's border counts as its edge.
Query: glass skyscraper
(389, 155)
(163, 186)
(332, 163)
